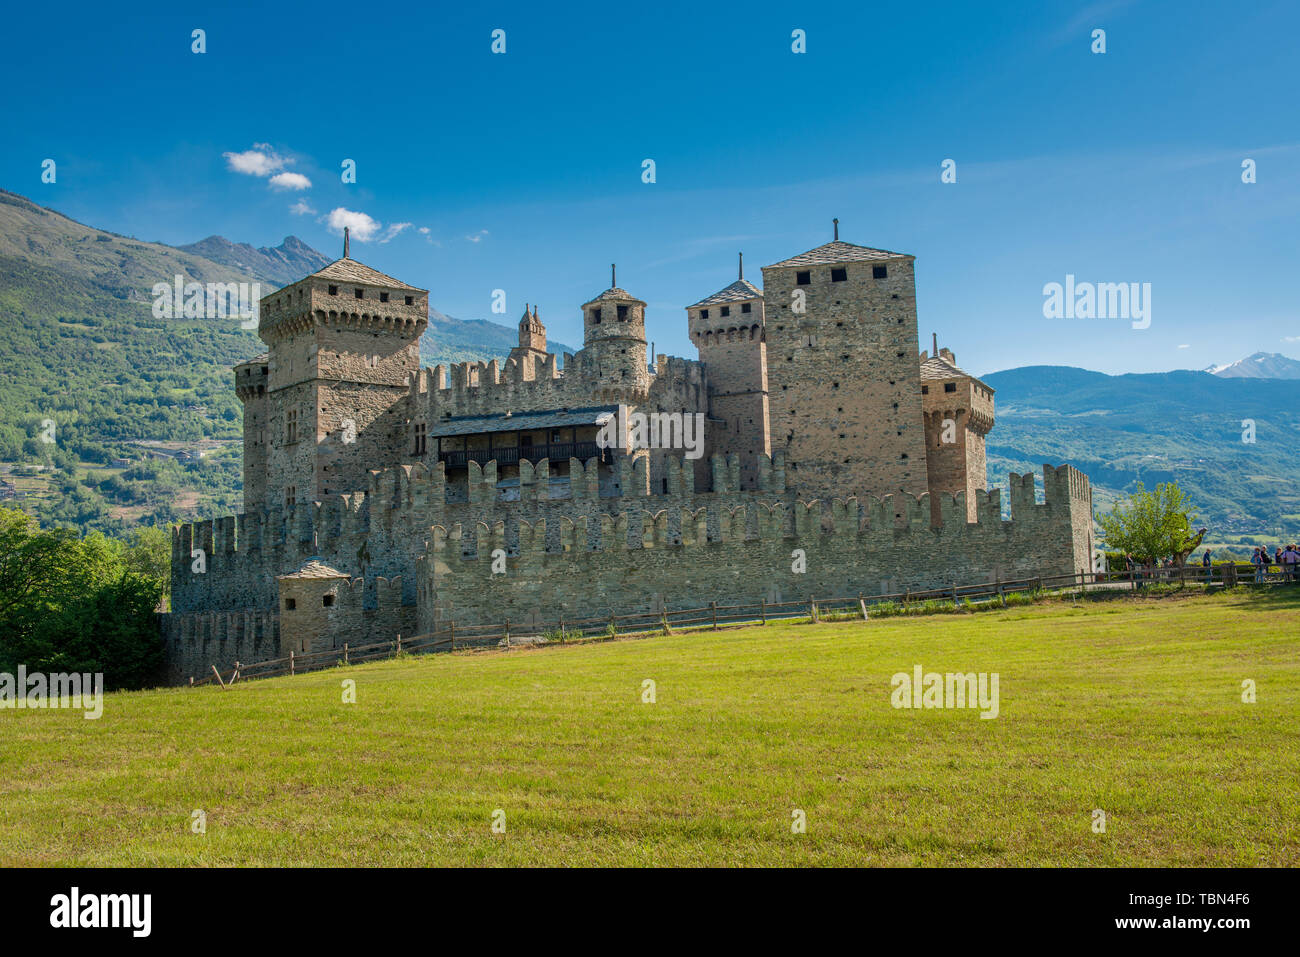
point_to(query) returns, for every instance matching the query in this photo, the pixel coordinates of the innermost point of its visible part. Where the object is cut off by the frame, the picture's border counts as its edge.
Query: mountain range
(1262, 365)
(81, 347)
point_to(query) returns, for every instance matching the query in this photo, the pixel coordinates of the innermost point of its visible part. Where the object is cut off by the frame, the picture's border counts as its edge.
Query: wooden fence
(714, 616)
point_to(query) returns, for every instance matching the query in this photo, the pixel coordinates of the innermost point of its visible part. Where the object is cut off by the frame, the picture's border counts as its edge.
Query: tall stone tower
(958, 415)
(251, 382)
(843, 370)
(727, 329)
(614, 343)
(343, 344)
(532, 342)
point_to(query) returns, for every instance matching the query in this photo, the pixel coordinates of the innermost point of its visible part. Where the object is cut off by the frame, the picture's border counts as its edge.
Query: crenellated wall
(589, 553)
(681, 556)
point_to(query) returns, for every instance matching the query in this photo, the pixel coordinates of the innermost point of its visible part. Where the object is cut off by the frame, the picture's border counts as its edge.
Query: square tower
(343, 346)
(843, 371)
(727, 329)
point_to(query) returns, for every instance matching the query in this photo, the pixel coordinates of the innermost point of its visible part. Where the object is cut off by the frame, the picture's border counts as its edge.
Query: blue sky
(524, 169)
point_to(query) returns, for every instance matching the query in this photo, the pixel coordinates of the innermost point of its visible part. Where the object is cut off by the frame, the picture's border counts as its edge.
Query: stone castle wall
(646, 561)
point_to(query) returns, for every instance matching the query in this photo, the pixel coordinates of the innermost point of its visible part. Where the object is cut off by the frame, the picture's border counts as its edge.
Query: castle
(377, 492)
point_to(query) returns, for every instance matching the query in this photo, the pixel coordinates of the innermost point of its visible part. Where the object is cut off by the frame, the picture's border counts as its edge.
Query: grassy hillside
(1175, 426)
(1131, 707)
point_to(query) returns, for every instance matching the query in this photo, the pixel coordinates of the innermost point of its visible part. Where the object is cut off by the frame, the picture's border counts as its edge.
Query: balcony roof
(521, 421)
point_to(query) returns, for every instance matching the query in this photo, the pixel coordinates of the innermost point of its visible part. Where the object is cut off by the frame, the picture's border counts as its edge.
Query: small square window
(359, 293)
(290, 604)
(595, 316)
(725, 311)
(383, 297)
(879, 272)
(622, 313)
(327, 600)
(334, 290)
(925, 390)
(704, 313)
(803, 278)
(950, 387)
(410, 300)
(839, 275)
(745, 307)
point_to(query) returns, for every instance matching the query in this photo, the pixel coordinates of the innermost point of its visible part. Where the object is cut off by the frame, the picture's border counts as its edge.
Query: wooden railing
(451, 636)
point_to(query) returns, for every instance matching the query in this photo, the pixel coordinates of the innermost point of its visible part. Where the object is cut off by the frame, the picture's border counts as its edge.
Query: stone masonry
(375, 492)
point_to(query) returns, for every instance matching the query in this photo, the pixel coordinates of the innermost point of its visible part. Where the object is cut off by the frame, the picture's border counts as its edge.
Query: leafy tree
(1149, 525)
(69, 604)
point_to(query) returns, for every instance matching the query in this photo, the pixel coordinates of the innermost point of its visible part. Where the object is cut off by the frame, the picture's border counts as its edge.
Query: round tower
(614, 340)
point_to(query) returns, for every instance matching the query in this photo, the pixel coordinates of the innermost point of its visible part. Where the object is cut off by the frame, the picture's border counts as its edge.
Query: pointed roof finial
(742, 266)
(345, 243)
(837, 229)
(936, 343)
(613, 281)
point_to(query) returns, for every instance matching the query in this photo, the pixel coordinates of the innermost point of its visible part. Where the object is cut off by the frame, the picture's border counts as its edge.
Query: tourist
(1290, 559)
(1259, 559)
(1208, 566)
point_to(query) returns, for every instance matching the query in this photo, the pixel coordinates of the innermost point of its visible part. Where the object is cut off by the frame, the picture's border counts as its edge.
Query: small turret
(532, 342)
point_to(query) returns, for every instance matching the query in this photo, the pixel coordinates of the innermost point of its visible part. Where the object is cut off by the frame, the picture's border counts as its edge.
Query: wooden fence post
(812, 609)
(218, 674)
(1001, 594)
(507, 632)
(713, 608)
(762, 609)
(451, 629)
(561, 629)
(399, 642)
(291, 671)
(955, 603)
(345, 652)
(863, 605)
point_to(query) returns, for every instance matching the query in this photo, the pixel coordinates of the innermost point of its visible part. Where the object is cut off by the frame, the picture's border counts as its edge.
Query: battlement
(643, 559)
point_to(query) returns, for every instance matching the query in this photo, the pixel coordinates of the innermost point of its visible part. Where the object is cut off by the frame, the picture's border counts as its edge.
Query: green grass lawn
(1129, 706)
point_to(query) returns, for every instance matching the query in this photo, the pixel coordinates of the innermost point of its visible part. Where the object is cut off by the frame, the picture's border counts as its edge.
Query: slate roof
(615, 293)
(315, 568)
(349, 270)
(738, 291)
(521, 421)
(839, 252)
(937, 367)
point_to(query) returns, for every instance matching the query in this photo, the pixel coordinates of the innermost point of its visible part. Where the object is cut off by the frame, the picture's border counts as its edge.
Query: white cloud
(290, 181)
(1291, 338)
(478, 236)
(1184, 346)
(362, 227)
(261, 160)
(394, 230)
(302, 208)
(424, 230)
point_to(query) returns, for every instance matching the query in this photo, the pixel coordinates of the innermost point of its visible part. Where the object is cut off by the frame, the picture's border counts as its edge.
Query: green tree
(69, 604)
(1149, 525)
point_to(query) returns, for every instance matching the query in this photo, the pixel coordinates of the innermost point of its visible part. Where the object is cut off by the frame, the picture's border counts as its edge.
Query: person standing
(1257, 559)
(1208, 566)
